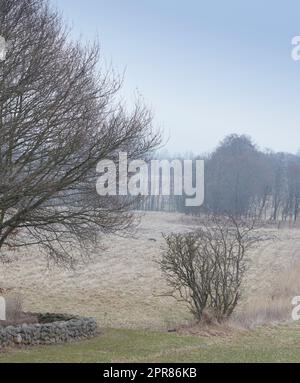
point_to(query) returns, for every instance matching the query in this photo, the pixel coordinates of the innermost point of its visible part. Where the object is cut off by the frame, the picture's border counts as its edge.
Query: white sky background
(206, 68)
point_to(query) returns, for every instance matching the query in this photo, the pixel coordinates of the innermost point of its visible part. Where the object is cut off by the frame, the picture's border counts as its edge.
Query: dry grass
(14, 311)
(14, 307)
(273, 304)
(121, 284)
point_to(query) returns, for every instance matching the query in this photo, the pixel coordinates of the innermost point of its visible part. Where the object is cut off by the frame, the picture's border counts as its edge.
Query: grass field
(121, 286)
(265, 344)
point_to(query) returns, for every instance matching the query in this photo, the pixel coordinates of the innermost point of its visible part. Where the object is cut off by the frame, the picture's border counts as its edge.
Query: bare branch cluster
(59, 116)
(206, 268)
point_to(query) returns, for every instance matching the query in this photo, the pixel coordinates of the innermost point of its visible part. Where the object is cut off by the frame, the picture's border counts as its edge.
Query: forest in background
(242, 180)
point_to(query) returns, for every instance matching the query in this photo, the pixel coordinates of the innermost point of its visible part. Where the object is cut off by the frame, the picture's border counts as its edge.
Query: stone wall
(51, 329)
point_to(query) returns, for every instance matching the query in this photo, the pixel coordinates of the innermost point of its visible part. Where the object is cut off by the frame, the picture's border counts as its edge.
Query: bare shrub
(206, 268)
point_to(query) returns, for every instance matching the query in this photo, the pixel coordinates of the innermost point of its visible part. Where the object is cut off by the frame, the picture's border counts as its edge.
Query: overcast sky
(206, 68)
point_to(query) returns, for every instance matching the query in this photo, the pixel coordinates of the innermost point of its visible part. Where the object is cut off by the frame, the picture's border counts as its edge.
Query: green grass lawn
(266, 344)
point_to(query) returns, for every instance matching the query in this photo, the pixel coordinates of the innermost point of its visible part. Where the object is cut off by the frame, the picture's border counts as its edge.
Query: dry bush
(206, 268)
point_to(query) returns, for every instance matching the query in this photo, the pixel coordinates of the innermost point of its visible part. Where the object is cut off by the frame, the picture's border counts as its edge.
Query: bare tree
(292, 203)
(59, 116)
(241, 180)
(206, 268)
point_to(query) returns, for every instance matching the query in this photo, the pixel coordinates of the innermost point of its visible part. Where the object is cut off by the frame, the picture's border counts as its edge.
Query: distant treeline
(242, 180)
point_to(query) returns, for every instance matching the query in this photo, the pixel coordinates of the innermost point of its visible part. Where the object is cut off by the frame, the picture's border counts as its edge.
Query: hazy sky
(207, 68)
